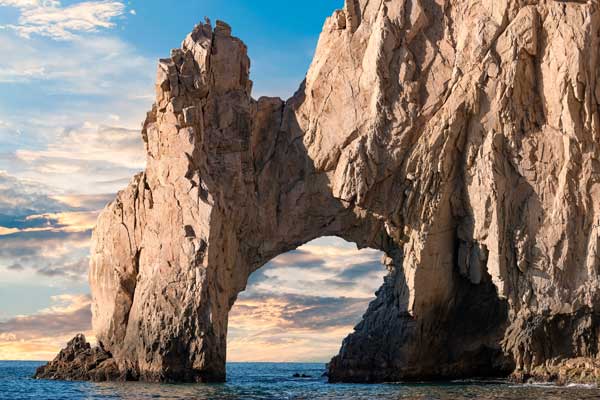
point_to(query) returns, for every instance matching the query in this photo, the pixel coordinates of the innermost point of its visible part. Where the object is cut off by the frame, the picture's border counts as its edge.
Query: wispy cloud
(292, 311)
(77, 221)
(31, 204)
(282, 313)
(85, 202)
(86, 159)
(66, 314)
(84, 131)
(55, 254)
(41, 335)
(50, 18)
(44, 233)
(281, 327)
(56, 222)
(335, 268)
(93, 65)
(91, 142)
(20, 198)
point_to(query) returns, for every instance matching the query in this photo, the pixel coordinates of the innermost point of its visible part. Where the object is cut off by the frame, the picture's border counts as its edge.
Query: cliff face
(459, 137)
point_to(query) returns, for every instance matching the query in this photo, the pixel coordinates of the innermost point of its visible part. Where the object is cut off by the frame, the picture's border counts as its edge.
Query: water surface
(271, 381)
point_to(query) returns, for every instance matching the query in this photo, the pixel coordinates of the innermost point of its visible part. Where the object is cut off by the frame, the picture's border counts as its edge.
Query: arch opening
(300, 306)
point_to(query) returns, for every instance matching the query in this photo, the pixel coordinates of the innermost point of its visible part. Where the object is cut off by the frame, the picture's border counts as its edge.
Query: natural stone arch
(231, 183)
(469, 156)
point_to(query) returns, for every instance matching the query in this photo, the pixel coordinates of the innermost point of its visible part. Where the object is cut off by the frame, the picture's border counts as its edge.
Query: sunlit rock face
(461, 138)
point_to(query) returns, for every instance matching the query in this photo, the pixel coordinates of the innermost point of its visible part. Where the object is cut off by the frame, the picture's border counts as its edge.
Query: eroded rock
(461, 138)
(80, 362)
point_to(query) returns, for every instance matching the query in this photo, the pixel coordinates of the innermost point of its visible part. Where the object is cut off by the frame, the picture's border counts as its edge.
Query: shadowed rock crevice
(461, 138)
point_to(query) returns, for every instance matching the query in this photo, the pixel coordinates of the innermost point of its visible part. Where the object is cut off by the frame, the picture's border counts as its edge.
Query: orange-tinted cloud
(77, 221)
(45, 232)
(88, 202)
(271, 327)
(42, 335)
(74, 221)
(302, 304)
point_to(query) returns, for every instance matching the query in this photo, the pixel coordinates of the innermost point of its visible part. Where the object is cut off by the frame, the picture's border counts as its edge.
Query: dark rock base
(457, 340)
(79, 361)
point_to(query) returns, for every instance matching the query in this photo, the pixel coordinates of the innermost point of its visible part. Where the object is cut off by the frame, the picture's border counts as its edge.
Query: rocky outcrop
(461, 138)
(80, 362)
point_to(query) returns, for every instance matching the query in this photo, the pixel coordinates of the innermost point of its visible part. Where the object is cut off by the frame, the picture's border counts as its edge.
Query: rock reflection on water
(274, 381)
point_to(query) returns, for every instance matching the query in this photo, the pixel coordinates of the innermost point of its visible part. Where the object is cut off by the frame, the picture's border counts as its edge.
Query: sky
(76, 79)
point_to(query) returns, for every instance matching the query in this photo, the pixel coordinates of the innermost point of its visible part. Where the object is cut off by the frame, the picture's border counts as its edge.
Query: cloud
(92, 65)
(306, 299)
(80, 85)
(293, 311)
(69, 314)
(30, 206)
(66, 143)
(29, 4)
(74, 270)
(63, 94)
(282, 327)
(85, 202)
(41, 335)
(286, 347)
(65, 221)
(19, 198)
(299, 258)
(90, 143)
(16, 267)
(49, 18)
(331, 265)
(258, 277)
(45, 233)
(87, 159)
(360, 270)
(49, 253)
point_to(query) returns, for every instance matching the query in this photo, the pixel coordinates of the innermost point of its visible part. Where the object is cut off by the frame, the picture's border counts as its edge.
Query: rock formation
(80, 362)
(460, 137)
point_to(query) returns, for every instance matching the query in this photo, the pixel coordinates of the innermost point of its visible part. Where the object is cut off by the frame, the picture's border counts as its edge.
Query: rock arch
(467, 155)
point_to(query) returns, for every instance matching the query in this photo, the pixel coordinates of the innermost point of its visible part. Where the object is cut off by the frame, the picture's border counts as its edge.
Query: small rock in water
(297, 375)
(79, 361)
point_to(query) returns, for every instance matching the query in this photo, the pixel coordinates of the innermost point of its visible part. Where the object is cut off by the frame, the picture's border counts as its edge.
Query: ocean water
(270, 381)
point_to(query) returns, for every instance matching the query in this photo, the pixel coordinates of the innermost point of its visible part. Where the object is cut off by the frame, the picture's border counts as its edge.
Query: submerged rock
(298, 375)
(461, 138)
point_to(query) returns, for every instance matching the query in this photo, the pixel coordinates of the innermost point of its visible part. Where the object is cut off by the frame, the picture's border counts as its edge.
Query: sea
(270, 381)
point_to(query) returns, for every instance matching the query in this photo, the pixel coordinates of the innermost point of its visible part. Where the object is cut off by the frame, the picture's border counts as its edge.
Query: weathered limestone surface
(460, 137)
